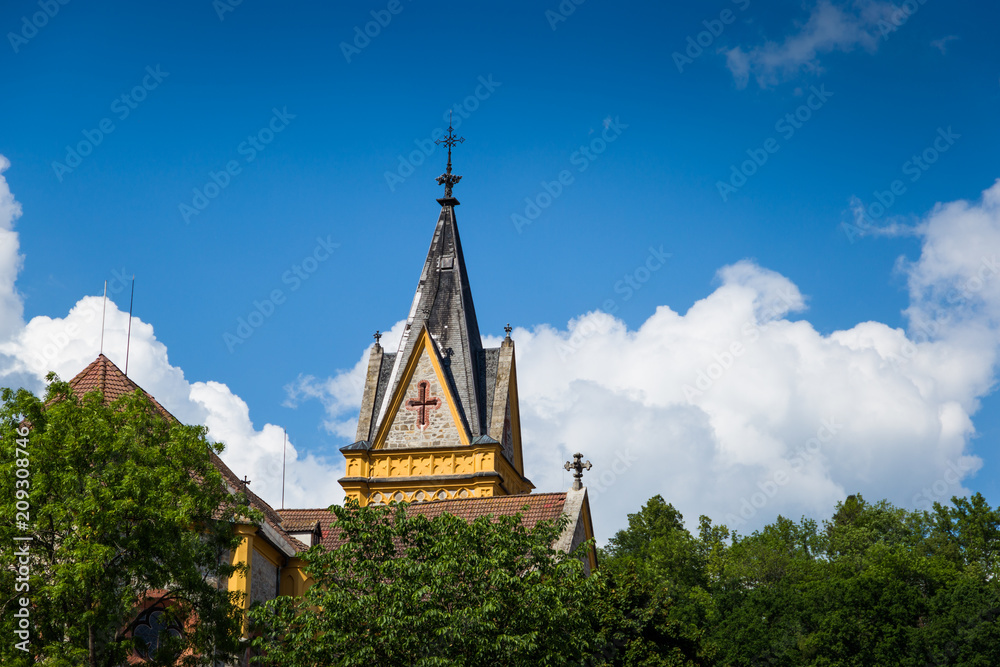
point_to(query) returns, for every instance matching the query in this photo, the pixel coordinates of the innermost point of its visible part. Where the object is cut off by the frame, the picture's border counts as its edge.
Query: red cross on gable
(423, 403)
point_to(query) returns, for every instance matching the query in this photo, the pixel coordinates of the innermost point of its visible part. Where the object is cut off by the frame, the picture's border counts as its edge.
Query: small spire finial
(508, 329)
(377, 336)
(578, 466)
(447, 179)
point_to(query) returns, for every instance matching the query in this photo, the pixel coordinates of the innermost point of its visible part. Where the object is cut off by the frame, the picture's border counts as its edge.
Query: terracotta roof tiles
(534, 507)
(104, 376)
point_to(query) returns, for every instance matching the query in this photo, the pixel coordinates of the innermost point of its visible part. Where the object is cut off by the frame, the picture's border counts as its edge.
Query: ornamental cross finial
(246, 482)
(508, 329)
(378, 336)
(578, 466)
(447, 179)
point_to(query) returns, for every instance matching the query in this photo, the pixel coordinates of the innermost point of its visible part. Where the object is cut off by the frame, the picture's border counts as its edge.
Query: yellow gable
(423, 413)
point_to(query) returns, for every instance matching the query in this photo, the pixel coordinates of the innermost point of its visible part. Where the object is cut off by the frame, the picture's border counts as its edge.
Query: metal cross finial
(578, 466)
(246, 482)
(447, 178)
(508, 329)
(378, 336)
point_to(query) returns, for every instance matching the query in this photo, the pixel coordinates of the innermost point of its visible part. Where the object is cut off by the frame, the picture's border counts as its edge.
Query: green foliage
(125, 505)
(874, 585)
(657, 576)
(123, 508)
(639, 622)
(410, 590)
(878, 585)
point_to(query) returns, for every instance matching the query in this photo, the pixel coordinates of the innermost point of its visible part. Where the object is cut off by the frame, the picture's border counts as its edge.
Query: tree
(127, 515)
(877, 585)
(405, 589)
(656, 607)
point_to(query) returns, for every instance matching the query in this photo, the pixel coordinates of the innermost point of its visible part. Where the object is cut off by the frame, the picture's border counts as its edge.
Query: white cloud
(733, 404)
(341, 393)
(735, 410)
(11, 307)
(68, 344)
(830, 27)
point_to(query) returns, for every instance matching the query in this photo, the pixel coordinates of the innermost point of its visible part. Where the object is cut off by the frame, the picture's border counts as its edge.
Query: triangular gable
(409, 393)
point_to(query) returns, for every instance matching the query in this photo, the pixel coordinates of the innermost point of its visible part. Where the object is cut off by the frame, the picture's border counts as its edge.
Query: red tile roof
(104, 376)
(540, 507)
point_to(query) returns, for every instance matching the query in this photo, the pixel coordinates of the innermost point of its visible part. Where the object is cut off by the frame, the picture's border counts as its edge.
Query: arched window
(152, 624)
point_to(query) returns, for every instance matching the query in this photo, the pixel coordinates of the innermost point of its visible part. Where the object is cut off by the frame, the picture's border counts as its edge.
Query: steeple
(450, 404)
(442, 305)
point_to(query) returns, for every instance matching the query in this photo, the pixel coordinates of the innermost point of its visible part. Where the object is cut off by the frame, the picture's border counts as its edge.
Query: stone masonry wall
(440, 431)
(263, 578)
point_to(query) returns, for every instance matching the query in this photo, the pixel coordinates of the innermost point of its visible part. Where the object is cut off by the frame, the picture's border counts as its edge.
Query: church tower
(439, 416)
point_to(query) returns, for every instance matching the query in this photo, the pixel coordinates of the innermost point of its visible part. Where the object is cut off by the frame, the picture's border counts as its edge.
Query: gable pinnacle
(447, 178)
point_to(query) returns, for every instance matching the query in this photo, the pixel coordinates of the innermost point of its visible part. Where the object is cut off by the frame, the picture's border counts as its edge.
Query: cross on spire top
(377, 336)
(578, 466)
(447, 179)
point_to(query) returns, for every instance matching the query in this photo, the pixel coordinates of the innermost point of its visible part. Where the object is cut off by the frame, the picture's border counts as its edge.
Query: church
(439, 428)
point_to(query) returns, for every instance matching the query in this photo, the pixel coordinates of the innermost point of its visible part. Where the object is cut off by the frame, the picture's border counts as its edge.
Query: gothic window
(149, 630)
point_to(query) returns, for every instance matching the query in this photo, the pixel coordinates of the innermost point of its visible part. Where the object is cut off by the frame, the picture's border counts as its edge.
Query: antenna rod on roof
(104, 309)
(284, 447)
(128, 338)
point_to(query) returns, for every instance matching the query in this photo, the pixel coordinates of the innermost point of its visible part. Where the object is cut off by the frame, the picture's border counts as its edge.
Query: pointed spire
(443, 305)
(447, 179)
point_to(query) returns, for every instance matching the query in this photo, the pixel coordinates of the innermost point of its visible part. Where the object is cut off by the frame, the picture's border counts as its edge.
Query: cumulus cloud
(830, 27)
(66, 345)
(741, 410)
(340, 393)
(11, 307)
(738, 408)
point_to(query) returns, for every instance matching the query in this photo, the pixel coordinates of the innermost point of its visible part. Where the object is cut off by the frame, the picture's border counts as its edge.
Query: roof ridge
(104, 376)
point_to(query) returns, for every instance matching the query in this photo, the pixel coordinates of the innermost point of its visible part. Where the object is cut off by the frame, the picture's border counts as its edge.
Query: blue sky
(647, 111)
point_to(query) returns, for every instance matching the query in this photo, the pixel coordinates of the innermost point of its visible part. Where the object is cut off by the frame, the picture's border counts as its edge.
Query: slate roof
(540, 507)
(104, 376)
(443, 303)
